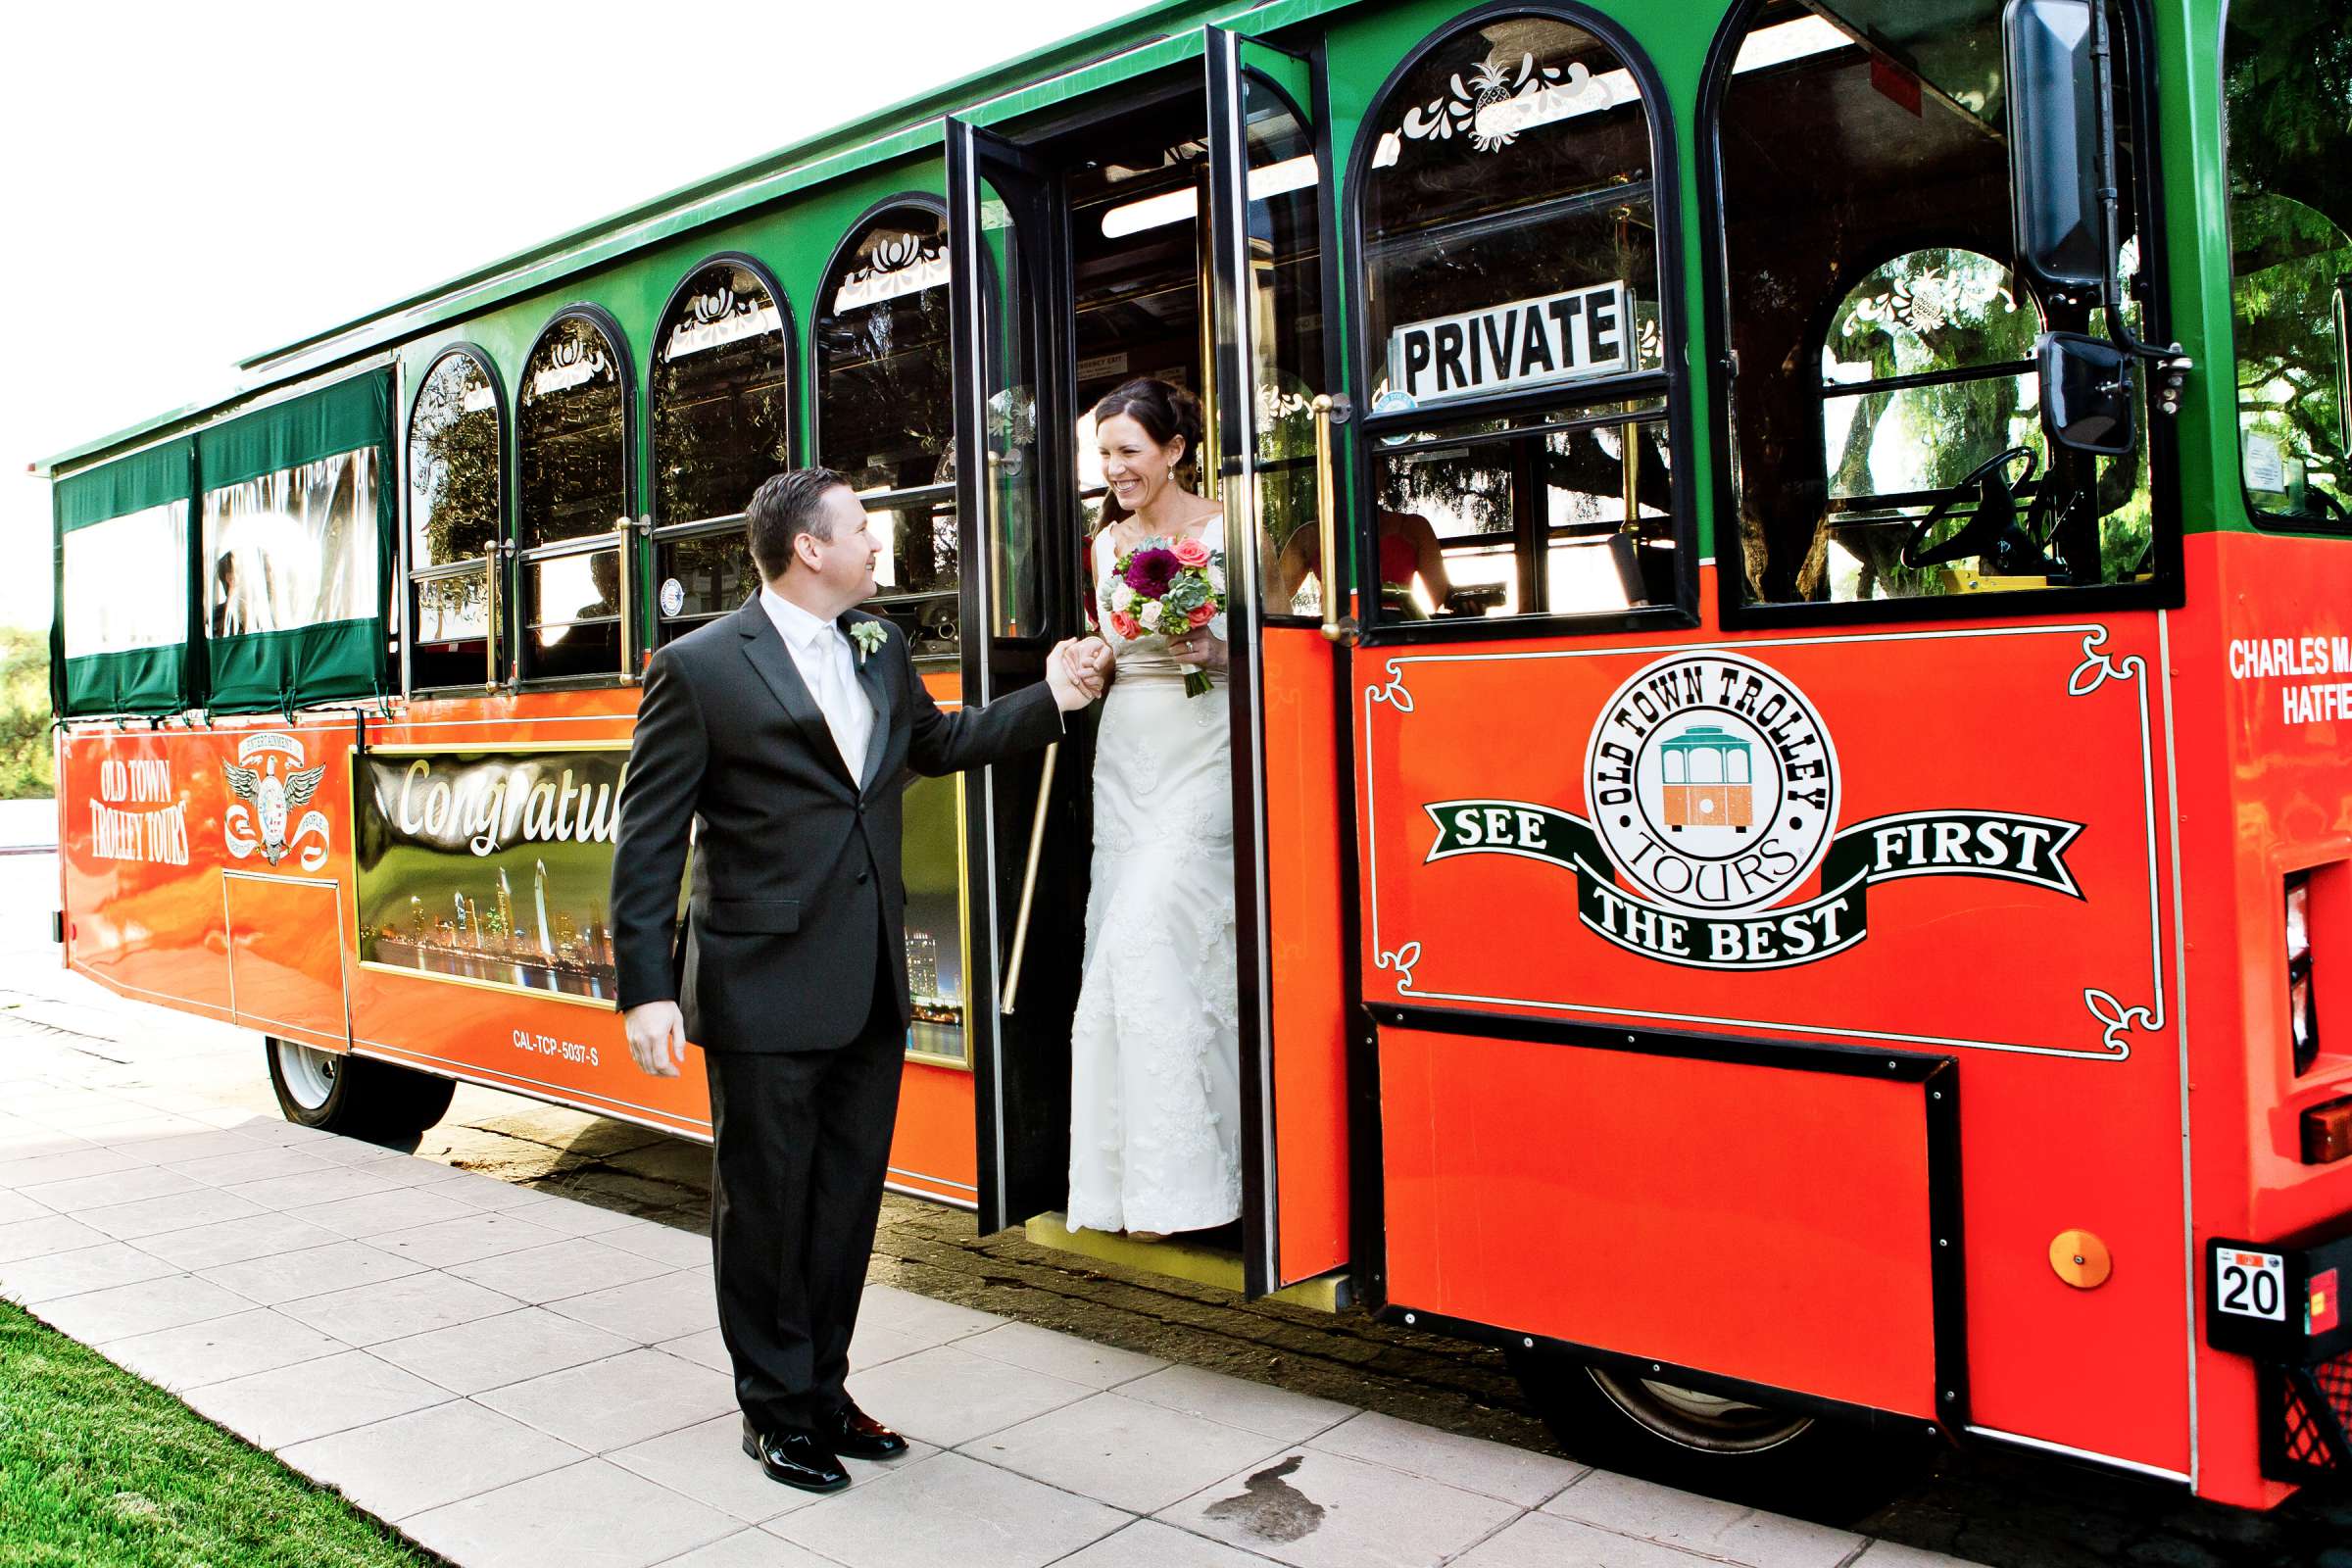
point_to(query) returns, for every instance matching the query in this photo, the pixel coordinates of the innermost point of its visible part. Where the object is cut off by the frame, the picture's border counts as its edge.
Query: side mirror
(2059, 145)
(2085, 394)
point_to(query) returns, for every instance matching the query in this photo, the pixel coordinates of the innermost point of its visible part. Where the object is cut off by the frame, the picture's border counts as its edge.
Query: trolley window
(1885, 427)
(722, 410)
(1518, 358)
(572, 470)
(456, 494)
(120, 644)
(2289, 92)
(885, 414)
(298, 548)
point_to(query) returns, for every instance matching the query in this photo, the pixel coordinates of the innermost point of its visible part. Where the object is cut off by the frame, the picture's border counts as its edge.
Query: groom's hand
(1075, 671)
(657, 1037)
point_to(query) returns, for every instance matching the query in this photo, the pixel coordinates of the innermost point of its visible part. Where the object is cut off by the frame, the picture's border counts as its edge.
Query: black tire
(1788, 1460)
(355, 1096)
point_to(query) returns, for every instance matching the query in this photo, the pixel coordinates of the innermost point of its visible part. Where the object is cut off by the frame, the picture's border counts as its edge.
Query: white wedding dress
(1156, 1099)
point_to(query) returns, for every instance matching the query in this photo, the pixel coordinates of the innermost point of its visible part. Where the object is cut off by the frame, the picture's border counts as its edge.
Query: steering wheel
(1993, 532)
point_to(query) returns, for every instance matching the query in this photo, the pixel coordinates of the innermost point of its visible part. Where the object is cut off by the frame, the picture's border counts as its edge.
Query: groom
(784, 731)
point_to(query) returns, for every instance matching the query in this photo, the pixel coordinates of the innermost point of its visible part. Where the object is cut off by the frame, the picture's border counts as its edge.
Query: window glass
(721, 395)
(571, 615)
(454, 487)
(1913, 464)
(703, 575)
(2288, 96)
(293, 547)
(571, 429)
(455, 493)
(885, 357)
(126, 582)
(1511, 246)
(885, 411)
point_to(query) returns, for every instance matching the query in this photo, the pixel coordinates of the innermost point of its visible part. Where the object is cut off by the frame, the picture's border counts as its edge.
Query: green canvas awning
(296, 558)
(119, 642)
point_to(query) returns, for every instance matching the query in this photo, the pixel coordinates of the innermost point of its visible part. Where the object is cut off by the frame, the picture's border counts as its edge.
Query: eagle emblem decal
(269, 789)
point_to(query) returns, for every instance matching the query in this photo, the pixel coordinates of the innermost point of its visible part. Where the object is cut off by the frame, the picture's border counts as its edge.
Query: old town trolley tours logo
(1713, 789)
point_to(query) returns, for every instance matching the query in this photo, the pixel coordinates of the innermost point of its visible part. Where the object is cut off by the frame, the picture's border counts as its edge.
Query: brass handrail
(626, 530)
(1338, 626)
(493, 567)
(1037, 841)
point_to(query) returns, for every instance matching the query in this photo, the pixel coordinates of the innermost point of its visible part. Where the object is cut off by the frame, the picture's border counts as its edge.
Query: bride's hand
(1199, 647)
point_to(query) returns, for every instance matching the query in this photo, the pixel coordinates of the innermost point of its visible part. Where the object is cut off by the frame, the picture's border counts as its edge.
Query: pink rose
(1126, 625)
(1201, 615)
(1191, 555)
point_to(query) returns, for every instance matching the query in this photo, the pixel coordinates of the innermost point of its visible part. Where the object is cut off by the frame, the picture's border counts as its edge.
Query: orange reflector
(2327, 1132)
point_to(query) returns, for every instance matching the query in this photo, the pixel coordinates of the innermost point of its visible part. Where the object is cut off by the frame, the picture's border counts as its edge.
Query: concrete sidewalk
(511, 1376)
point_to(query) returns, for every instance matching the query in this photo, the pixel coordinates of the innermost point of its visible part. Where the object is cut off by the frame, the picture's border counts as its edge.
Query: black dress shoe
(860, 1436)
(796, 1459)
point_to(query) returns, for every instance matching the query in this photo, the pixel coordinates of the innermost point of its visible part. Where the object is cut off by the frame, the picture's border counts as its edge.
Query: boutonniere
(869, 636)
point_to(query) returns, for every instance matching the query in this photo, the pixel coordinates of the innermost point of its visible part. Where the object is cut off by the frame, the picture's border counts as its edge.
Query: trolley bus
(1789, 677)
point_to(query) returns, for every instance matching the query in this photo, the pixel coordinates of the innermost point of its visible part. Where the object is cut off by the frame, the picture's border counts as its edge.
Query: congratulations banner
(489, 866)
(2006, 844)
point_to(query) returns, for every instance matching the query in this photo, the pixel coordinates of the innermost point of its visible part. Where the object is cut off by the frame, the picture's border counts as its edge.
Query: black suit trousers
(799, 1145)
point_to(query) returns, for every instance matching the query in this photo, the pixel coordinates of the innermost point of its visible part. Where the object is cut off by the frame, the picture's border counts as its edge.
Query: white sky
(187, 186)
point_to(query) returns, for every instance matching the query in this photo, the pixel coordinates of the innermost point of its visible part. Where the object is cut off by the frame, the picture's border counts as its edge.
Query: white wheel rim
(1708, 1422)
(310, 1074)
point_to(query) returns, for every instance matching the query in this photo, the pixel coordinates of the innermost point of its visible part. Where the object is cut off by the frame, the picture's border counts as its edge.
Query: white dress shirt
(821, 652)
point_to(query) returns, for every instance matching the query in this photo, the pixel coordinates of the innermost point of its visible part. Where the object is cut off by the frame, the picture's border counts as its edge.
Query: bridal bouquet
(1164, 590)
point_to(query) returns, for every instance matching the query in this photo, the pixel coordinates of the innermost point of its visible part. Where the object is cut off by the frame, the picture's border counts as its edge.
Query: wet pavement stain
(1270, 1508)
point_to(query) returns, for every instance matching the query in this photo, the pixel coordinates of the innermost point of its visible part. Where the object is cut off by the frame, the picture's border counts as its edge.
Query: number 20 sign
(2251, 1285)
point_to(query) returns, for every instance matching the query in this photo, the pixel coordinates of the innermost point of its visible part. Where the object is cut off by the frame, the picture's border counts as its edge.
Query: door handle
(1338, 626)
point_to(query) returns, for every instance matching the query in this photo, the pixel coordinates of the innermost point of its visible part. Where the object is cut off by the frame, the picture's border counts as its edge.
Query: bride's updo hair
(1164, 412)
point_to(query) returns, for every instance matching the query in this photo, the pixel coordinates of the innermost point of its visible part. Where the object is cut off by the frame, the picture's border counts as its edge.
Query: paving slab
(664, 1244)
(710, 1349)
(31, 1281)
(96, 1316)
(949, 1511)
(559, 1270)
(946, 1396)
(617, 1402)
(665, 1306)
(399, 1308)
(235, 1241)
(920, 1317)
(593, 1514)
(1543, 1541)
(1279, 1413)
(494, 1351)
(219, 1349)
(428, 1458)
(308, 1189)
(50, 1233)
(312, 1271)
(1137, 1456)
(1495, 1468)
(124, 1186)
(470, 1236)
(1706, 1525)
(1060, 1356)
(1149, 1544)
(308, 1400)
(403, 1208)
(1319, 1511)
(248, 1164)
(751, 1548)
(174, 1211)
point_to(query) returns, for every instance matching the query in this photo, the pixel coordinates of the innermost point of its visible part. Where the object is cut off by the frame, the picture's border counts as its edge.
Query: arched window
(572, 445)
(885, 408)
(720, 401)
(456, 487)
(1882, 254)
(1519, 359)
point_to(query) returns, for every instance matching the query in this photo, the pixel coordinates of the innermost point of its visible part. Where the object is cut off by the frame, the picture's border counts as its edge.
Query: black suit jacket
(796, 867)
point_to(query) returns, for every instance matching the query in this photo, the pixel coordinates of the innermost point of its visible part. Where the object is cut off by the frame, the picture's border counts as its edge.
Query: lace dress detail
(1156, 1094)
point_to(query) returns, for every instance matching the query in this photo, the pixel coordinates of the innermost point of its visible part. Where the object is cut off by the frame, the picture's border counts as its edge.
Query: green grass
(100, 1470)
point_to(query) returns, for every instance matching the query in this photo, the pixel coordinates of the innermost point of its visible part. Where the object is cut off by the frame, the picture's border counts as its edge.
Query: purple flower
(1151, 570)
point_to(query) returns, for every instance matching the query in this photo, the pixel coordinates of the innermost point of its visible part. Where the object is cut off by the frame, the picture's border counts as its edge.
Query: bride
(1154, 1053)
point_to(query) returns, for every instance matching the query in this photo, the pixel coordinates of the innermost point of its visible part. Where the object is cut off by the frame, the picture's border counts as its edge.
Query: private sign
(1560, 338)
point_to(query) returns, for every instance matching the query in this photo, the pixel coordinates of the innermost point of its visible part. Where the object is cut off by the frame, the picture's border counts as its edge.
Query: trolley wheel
(355, 1096)
(1789, 1461)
